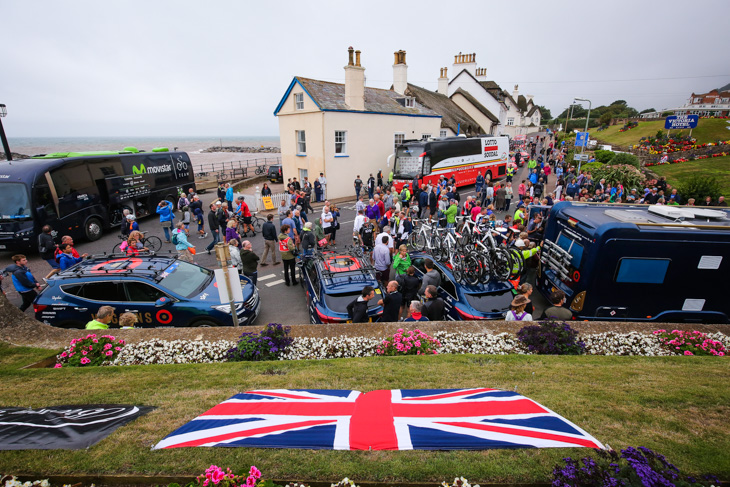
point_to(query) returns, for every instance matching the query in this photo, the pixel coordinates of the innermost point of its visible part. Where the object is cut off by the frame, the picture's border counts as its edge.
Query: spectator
(235, 255)
(130, 225)
(185, 250)
(450, 213)
(231, 232)
(287, 247)
(517, 311)
(196, 207)
(185, 217)
(229, 195)
(432, 277)
(23, 280)
(102, 319)
(401, 262)
(323, 183)
(327, 220)
(319, 233)
(250, 262)
(358, 309)
(221, 214)
(289, 220)
(415, 310)
(127, 321)
(410, 285)
(721, 201)
(358, 187)
(164, 209)
(381, 259)
(526, 291)
(47, 249)
(213, 224)
(391, 303)
(283, 208)
(66, 259)
(434, 306)
(309, 241)
(265, 190)
(335, 224)
(557, 310)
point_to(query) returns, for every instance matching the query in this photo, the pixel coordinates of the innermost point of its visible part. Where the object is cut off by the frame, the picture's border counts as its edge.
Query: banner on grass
(63, 427)
(437, 419)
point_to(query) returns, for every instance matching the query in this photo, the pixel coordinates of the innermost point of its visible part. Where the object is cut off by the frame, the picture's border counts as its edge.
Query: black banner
(63, 427)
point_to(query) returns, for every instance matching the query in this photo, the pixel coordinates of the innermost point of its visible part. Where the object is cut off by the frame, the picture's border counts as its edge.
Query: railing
(276, 199)
(234, 168)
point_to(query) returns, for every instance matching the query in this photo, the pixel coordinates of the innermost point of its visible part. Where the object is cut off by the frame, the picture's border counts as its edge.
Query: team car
(332, 280)
(489, 301)
(161, 291)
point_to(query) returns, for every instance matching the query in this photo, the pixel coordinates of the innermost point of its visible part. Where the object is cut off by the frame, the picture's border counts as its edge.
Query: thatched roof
(452, 116)
(477, 105)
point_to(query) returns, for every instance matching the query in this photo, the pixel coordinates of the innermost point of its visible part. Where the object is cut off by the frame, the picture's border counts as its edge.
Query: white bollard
(257, 196)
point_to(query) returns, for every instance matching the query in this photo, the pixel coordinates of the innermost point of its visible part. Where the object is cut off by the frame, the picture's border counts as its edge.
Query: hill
(717, 167)
(708, 130)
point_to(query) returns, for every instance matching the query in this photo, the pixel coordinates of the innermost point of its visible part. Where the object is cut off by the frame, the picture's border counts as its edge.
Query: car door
(140, 300)
(96, 295)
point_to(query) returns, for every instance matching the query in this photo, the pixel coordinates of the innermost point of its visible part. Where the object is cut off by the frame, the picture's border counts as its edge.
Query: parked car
(332, 280)
(162, 291)
(525, 157)
(489, 301)
(275, 175)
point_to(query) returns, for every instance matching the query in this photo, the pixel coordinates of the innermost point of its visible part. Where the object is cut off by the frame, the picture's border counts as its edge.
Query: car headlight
(225, 308)
(24, 234)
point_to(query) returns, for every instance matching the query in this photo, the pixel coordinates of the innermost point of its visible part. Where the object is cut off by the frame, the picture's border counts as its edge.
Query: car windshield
(339, 302)
(185, 279)
(407, 164)
(492, 302)
(14, 205)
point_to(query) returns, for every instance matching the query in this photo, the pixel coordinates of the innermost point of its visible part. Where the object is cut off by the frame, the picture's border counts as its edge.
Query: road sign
(681, 122)
(581, 139)
(580, 157)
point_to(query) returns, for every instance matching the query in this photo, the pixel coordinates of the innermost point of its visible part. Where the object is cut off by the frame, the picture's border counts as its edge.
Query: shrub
(699, 186)
(91, 350)
(634, 466)
(604, 155)
(690, 343)
(591, 167)
(551, 338)
(629, 176)
(216, 476)
(413, 342)
(266, 345)
(624, 158)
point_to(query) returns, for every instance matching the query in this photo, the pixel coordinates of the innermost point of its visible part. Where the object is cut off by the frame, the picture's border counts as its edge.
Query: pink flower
(109, 353)
(57, 366)
(255, 472)
(84, 352)
(85, 361)
(418, 343)
(121, 342)
(107, 346)
(64, 354)
(117, 348)
(687, 352)
(95, 340)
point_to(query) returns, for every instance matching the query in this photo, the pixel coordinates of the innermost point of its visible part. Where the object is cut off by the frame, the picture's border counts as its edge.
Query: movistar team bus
(460, 157)
(82, 193)
(638, 262)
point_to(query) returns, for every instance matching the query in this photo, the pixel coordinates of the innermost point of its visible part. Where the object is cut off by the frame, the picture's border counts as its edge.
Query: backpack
(174, 238)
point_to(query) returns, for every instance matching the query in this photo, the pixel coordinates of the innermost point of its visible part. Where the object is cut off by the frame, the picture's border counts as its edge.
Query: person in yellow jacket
(526, 253)
(520, 217)
(103, 317)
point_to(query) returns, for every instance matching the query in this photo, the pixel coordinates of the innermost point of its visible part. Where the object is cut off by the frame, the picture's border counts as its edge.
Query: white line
(269, 276)
(274, 283)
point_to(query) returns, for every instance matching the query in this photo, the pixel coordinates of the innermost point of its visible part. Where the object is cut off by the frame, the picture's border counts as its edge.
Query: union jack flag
(400, 419)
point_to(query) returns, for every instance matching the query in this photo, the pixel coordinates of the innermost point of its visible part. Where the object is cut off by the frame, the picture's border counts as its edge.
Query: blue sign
(581, 139)
(681, 122)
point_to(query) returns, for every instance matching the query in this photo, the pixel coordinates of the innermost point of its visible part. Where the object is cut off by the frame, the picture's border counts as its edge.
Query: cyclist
(244, 213)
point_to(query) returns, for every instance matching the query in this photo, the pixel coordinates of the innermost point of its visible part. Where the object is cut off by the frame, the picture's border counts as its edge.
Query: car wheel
(93, 229)
(204, 323)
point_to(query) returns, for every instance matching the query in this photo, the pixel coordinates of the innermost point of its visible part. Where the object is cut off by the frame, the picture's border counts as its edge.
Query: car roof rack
(364, 269)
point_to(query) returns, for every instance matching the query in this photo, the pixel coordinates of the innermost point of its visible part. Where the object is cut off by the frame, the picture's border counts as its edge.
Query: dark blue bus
(82, 193)
(638, 262)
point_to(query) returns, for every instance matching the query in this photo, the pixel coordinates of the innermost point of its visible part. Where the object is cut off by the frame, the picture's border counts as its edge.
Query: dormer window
(409, 102)
(299, 101)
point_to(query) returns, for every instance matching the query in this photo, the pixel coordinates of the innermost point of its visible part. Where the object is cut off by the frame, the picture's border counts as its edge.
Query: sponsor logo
(142, 169)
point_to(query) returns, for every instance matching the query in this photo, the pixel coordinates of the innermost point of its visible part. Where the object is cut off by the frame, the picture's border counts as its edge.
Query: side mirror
(163, 301)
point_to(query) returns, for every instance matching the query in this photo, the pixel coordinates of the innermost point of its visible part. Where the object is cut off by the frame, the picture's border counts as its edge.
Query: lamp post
(583, 147)
(3, 112)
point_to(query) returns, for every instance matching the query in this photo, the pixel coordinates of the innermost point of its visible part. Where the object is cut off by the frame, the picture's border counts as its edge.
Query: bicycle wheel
(437, 249)
(485, 267)
(117, 249)
(472, 269)
(153, 243)
(457, 266)
(501, 264)
(257, 224)
(420, 242)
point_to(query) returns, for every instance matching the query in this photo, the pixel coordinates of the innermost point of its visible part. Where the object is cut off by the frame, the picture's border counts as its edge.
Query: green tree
(606, 118)
(699, 187)
(648, 110)
(545, 112)
(624, 158)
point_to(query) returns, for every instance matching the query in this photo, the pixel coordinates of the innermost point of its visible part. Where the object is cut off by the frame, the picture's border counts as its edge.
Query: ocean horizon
(46, 145)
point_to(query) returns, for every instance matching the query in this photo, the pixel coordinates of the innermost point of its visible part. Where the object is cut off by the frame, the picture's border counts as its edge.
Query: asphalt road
(279, 303)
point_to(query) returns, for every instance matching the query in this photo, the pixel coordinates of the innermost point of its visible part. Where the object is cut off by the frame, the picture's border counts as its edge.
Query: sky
(219, 68)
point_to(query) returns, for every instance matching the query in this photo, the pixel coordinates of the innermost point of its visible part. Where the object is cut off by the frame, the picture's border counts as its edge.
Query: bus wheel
(93, 229)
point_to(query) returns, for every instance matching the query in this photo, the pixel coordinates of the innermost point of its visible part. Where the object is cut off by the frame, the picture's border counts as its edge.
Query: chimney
(354, 82)
(443, 83)
(465, 61)
(481, 74)
(529, 98)
(400, 73)
(515, 93)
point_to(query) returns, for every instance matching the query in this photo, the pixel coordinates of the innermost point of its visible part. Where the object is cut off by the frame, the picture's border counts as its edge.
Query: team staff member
(391, 303)
(269, 232)
(214, 230)
(358, 309)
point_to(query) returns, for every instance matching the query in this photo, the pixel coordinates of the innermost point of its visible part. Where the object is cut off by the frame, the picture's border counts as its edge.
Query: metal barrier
(244, 168)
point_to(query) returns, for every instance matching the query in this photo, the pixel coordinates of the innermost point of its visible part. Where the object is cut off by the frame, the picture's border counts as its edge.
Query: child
(127, 321)
(186, 217)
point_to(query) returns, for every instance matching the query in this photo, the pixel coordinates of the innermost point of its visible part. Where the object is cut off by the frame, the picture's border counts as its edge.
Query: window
(104, 291)
(410, 102)
(642, 271)
(340, 142)
(425, 136)
(142, 293)
(301, 142)
(299, 101)
(510, 121)
(398, 138)
(573, 248)
(443, 133)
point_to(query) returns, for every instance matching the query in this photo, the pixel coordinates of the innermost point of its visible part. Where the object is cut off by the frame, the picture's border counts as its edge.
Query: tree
(648, 110)
(545, 112)
(606, 118)
(625, 158)
(619, 102)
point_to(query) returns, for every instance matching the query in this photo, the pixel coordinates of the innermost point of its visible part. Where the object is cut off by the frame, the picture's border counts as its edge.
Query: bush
(551, 338)
(91, 350)
(266, 345)
(413, 342)
(591, 167)
(699, 186)
(624, 158)
(641, 467)
(690, 343)
(604, 155)
(629, 176)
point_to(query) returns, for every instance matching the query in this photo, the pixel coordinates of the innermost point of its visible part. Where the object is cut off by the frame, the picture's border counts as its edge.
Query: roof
(118, 266)
(452, 115)
(596, 215)
(477, 105)
(534, 109)
(330, 97)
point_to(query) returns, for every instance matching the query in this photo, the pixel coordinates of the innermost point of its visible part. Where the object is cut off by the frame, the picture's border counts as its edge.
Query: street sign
(581, 139)
(681, 122)
(580, 157)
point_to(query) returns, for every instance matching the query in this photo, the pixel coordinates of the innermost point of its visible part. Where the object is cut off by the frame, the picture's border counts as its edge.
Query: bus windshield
(407, 164)
(14, 205)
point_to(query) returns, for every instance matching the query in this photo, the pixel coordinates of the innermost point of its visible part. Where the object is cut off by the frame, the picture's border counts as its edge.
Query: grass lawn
(717, 167)
(708, 130)
(678, 406)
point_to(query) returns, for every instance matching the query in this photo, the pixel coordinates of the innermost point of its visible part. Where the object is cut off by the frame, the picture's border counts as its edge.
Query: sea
(45, 145)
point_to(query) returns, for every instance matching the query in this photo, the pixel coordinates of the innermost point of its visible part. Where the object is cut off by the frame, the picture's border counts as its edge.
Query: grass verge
(708, 130)
(717, 167)
(677, 406)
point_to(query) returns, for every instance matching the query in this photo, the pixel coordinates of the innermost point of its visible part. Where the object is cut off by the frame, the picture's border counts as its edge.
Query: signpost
(581, 157)
(581, 139)
(681, 122)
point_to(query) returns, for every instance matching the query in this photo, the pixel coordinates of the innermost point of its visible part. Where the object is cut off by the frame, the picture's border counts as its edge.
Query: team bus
(638, 263)
(82, 193)
(461, 157)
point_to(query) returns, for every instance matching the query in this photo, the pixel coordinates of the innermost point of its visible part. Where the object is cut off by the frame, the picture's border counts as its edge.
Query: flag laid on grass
(436, 419)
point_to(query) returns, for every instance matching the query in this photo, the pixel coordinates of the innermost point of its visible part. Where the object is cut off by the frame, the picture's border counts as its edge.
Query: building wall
(474, 113)
(476, 90)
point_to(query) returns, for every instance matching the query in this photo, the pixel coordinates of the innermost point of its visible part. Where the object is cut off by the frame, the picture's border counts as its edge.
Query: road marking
(274, 283)
(269, 276)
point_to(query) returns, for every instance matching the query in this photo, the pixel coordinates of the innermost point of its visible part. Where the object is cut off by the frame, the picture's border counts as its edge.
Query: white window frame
(425, 136)
(443, 133)
(510, 121)
(301, 138)
(299, 101)
(342, 134)
(398, 139)
(410, 102)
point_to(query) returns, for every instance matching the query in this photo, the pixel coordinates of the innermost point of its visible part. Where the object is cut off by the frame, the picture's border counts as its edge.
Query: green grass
(708, 130)
(678, 406)
(717, 167)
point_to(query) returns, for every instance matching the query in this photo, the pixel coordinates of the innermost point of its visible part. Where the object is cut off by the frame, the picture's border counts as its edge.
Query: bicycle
(422, 236)
(153, 244)
(261, 170)
(256, 223)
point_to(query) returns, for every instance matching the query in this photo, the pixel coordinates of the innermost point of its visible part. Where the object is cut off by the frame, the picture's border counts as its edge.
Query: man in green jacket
(103, 317)
(450, 213)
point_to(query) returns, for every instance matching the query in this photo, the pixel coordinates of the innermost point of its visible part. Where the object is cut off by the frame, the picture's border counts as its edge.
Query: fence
(237, 166)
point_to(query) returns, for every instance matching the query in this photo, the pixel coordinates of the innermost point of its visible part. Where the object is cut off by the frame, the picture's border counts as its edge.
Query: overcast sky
(148, 68)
